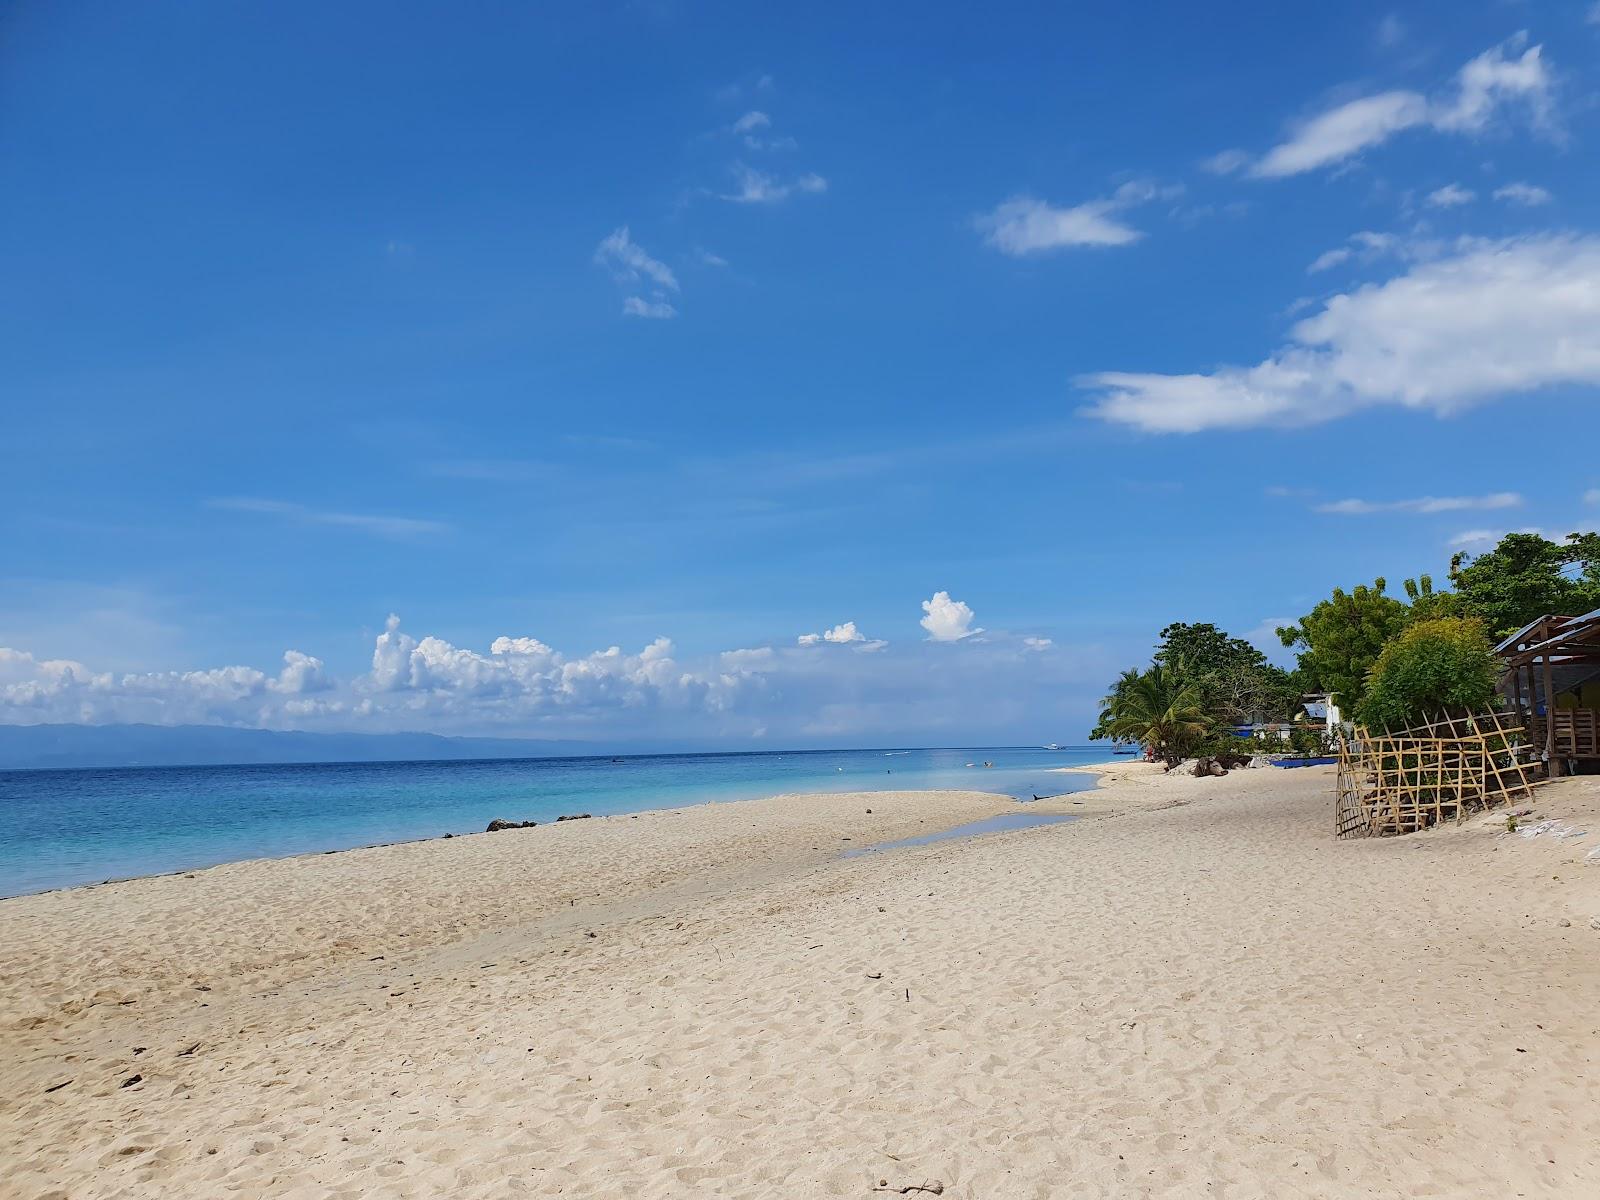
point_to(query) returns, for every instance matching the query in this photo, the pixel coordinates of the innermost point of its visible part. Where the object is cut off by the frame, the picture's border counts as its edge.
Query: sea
(65, 827)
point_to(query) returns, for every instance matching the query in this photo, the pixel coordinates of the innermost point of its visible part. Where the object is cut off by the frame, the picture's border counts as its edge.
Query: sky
(745, 376)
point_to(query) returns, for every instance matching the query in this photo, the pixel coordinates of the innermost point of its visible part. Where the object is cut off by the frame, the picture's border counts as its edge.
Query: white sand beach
(1194, 991)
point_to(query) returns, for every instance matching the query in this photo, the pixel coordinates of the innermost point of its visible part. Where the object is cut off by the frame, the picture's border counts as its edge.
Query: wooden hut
(1551, 676)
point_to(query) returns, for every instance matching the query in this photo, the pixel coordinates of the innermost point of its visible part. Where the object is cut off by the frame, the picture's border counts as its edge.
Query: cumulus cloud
(1491, 83)
(1037, 643)
(947, 620)
(520, 686)
(1485, 320)
(1525, 194)
(628, 261)
(843, 634)
(751, 121)
(752, 186)
(1026, 225)
(1423, 504)
(301, 674)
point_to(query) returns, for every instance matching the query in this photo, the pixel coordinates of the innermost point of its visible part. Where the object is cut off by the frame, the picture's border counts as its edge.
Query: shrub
(1433, 666)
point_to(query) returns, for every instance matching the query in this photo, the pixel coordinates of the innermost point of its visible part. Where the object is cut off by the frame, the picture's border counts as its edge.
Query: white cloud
(522, 687)
(1451, 195)
(947, 620)
(1365, 246)
(1391, 31)
(840, 635)
(1488, 319)
(1491, 537)
(1026, 225)
(761, 187)
(1337, 134)
(1226, 162)
(1330, 258)
(1484, 87)
(1593, 15)
(301, 674)
(1592, 496)
(654, 310)
(752, 121)
(1037, 643)
(388, 527)
(1525, 194)
(628, 261)
(1492, 80)
(707, 259)
(1423, 504)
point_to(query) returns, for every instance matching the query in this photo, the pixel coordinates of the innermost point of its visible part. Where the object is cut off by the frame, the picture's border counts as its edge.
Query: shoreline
(1198, 990)
(191, 871)
(338, 845)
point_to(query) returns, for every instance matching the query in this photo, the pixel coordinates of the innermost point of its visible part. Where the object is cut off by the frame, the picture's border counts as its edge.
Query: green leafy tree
(1156, 709)
(1234, 680)
(1444, 664)
(1340, 639)
(1526, 577)
(1427, 604)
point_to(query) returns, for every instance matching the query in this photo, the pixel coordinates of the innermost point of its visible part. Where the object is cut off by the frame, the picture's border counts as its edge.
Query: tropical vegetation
(1386, 661)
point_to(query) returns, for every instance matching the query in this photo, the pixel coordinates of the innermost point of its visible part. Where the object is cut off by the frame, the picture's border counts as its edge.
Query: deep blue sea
(59, 828)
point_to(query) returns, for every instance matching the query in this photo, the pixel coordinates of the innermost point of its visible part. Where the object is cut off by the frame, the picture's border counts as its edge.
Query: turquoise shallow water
(59, 828)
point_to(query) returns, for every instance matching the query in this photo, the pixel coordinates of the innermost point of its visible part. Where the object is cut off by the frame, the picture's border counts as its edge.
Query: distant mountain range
(35, 746)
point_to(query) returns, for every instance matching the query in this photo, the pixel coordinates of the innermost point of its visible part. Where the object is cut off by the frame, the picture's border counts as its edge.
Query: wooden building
(1551, 677)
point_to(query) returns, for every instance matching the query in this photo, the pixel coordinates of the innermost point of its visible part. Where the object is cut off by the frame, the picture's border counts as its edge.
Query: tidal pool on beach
(1003, 823)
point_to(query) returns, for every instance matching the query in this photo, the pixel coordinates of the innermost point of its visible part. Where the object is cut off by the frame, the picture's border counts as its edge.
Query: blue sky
(600, 324)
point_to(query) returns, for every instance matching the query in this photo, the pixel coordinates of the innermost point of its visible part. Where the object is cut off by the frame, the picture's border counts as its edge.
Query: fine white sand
(1201, 994)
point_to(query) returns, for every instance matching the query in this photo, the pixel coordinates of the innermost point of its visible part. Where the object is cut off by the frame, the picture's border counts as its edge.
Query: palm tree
(1158, 710)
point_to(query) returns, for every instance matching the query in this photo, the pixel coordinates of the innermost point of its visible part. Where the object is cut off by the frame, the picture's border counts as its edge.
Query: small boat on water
(1124, 752)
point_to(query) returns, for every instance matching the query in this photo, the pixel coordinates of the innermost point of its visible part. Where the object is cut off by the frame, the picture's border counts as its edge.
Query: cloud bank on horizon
(836, 683)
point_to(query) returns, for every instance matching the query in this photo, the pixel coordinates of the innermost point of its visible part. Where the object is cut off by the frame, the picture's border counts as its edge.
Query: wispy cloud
(1493, 81)
(753, 186)
(1451, 195)
(1422, 504)
(1226, 162)
(1026, 225)
(1491, 537)
(629, 262)
(1365, 246)
(650, 310)
(380, 526)
(1525, 194)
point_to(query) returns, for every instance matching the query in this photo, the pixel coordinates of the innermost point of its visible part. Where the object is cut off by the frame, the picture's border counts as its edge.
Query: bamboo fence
(1392, 783)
